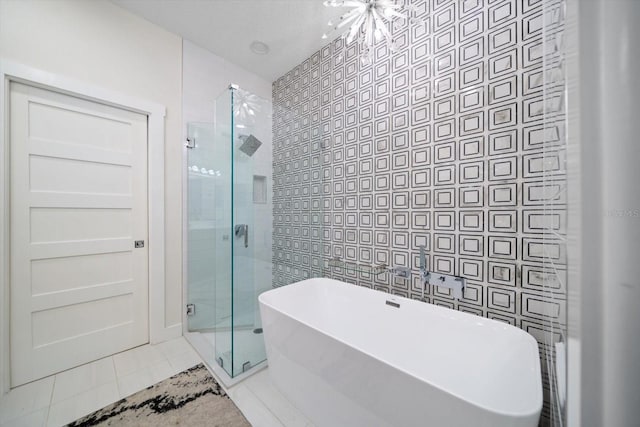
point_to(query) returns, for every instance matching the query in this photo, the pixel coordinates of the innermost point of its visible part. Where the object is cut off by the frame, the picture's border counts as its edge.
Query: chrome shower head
(250, 144)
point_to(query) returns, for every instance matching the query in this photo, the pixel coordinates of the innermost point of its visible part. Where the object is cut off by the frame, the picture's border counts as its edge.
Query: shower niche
(259, 189)
(229, 221)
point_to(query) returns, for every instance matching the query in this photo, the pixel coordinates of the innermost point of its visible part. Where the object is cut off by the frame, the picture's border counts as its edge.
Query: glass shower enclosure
(229, 229)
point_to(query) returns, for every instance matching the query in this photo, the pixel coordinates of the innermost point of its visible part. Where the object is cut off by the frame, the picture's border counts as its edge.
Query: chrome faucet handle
(241, 230)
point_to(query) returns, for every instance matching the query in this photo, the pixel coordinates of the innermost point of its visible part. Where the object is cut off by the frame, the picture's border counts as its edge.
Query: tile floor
(69, 395)
(263, 405)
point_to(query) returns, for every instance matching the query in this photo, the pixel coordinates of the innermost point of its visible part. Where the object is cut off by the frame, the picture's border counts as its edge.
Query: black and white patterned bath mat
(191, 398)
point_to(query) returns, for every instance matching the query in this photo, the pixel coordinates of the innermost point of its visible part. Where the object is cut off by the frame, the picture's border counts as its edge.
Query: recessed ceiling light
(259, 48)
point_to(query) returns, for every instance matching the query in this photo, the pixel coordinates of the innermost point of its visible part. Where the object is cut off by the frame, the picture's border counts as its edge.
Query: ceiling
(291, 28)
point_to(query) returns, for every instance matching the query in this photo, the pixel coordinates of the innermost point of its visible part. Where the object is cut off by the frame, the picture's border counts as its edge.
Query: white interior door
(79, 288)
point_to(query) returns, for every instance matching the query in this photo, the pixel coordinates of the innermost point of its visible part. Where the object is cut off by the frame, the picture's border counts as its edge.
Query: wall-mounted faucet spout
(424, 273)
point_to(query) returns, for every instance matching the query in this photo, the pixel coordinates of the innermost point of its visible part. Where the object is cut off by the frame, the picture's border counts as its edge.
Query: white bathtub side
(338, 384)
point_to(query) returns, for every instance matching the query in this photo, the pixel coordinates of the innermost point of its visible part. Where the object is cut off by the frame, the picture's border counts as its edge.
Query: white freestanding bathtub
(347, 358)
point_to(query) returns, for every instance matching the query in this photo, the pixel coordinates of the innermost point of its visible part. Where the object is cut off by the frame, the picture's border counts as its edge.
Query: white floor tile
(78, 406)
(75, 393)
(261, 386)
(83, 378)
(252, 408)
(139, 380)
(33, 419)
(174, 347)
(186, 360)
(137, 359)
(26, 399)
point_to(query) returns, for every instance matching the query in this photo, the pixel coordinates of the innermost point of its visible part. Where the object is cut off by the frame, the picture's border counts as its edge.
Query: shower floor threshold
(207, 352)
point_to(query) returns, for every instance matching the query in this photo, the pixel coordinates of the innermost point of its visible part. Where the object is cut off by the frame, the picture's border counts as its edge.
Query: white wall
(609, 288)
(102, 44)
(206, 75)
(620, 150)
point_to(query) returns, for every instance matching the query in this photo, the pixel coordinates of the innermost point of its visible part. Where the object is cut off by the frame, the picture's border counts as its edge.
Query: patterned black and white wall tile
(455, 142)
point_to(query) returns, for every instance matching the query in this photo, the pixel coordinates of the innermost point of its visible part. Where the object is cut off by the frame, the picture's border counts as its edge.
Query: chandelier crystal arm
(343, 20)
(383, 28)
(347, 17)
(370, 30)
(369, 22)
(355, 28)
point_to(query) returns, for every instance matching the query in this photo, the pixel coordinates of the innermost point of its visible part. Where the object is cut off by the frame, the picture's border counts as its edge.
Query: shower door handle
(243, 230)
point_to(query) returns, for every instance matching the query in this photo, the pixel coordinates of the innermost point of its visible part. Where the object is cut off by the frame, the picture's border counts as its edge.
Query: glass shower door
(251, 249)
(229, 229)
(201, 228)
(241, 261)
(225, 239)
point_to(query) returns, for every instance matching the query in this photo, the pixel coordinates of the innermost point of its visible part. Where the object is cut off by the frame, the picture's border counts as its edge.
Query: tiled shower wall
(454, 142)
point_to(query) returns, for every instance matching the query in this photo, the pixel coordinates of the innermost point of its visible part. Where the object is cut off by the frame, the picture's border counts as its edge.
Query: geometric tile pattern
(455, 142)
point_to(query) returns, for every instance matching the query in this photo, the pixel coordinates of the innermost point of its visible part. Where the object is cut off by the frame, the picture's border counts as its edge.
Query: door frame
(13, 72)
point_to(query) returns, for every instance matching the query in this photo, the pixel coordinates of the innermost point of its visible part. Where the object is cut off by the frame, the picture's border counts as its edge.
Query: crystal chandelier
(369, 22)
